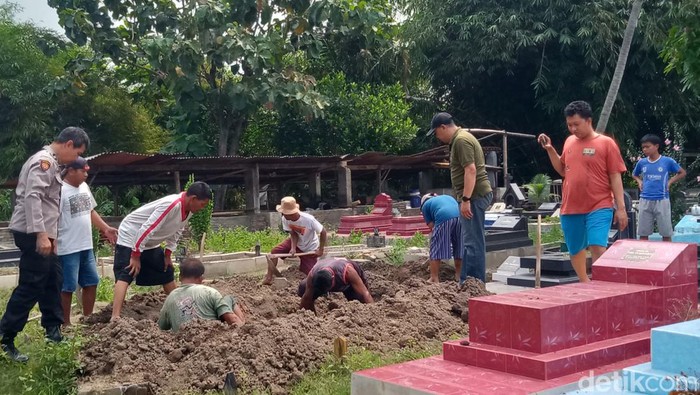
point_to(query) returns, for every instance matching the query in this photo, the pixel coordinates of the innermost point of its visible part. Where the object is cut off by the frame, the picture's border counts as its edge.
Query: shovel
(276, 271)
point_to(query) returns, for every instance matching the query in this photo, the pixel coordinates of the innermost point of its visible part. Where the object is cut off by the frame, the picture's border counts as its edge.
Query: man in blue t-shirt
(441, 213)
(653, 176)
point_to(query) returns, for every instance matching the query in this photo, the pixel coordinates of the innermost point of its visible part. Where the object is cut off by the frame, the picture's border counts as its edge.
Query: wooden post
(340, 347)
(178, 188)
(506, 180)
(315, 188)
(252, 189)
(344, 186)
(102, 264)
(379, 181)
(201, 245)
(538, 251)
(115, 196)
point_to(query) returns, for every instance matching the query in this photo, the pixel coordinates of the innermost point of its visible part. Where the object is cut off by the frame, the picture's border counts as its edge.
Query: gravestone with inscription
(648, 263)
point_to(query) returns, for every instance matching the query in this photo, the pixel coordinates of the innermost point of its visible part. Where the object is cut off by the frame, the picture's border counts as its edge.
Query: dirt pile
(279, 343)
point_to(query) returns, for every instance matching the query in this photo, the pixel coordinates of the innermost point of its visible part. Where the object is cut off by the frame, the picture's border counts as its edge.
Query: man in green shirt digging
(192, 300)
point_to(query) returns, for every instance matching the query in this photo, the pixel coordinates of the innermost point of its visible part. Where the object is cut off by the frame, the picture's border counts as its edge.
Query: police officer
(34, 225)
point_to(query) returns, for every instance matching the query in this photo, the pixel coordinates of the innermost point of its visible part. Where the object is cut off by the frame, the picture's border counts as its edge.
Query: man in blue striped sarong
(441, 213)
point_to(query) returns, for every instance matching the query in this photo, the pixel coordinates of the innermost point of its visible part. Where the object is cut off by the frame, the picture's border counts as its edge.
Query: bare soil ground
(279, 343)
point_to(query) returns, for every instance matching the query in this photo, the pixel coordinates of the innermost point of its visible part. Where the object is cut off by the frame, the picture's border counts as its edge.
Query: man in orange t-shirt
(592, 168)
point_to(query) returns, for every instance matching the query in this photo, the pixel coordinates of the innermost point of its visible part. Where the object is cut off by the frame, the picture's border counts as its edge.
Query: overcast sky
(40, 13)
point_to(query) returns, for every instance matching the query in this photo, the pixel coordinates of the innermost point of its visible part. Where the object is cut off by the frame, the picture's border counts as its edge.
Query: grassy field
(52, 368)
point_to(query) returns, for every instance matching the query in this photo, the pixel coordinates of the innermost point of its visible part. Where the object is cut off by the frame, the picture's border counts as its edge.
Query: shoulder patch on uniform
(44, 164)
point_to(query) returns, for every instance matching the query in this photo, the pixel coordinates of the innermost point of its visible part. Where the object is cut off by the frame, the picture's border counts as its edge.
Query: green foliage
(114, 121)
(355, 237)
(105, 290)
(333, 377)
(397, 252)
(538, 190)
(240, 239)
(200, 222)
(551, 220)
(52, 368)
(221, 61)
(28, 71)
(6, 207)
(129, 198)
(544, 54)
(553, 235)
(418, 240)
(38, 98)
(383, 124)
(682, 49)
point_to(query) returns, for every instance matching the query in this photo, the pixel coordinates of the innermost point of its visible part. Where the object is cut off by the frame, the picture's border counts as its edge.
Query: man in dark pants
(34, 225)
(472, 188)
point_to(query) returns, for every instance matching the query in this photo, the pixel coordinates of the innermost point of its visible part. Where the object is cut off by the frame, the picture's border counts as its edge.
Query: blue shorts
(79, 268)
(583, 230)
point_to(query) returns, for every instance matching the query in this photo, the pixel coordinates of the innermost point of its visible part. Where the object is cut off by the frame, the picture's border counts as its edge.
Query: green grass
(553, 235)
(52, 368)
(239, 239)
(334, 376)
(105, 289)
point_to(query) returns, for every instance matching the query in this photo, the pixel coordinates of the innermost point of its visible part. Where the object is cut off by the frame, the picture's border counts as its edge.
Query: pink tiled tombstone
(556, 331)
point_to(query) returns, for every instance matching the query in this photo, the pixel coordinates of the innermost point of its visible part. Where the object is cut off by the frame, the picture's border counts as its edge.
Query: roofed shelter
(122, 168)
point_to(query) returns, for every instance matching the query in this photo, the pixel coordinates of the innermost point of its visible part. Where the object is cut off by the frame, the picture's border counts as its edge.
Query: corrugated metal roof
(118, 168)
(129, 158)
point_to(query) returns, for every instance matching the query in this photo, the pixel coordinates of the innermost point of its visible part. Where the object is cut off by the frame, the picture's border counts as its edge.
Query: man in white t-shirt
(304, 231)
(74, 247)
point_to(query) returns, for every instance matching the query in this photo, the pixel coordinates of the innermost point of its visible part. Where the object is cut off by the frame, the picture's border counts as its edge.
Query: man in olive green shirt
(192, 300)
(472, 188)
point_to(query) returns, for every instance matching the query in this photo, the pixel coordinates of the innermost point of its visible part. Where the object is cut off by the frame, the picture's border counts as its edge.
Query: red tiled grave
(648, 263)
(438, 376)
(556, 318)
(408, 226)
(379, 218)
(546, 366)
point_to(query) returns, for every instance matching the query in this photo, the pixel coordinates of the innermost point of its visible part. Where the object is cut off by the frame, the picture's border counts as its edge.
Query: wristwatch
(466, 199)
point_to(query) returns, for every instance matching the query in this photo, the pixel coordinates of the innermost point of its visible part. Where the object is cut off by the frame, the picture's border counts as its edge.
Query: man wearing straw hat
(74, 243)
(304, 231)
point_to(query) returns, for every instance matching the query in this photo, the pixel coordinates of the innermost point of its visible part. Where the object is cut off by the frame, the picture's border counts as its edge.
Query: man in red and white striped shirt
(138, 253)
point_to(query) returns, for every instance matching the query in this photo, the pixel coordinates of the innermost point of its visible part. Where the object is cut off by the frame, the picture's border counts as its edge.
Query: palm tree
(620, 67)
(538, 190)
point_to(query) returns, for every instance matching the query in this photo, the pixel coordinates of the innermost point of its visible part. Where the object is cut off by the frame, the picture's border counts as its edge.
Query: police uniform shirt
(38, 195)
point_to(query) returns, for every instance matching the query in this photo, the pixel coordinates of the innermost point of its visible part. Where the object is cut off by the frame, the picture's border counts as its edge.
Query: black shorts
(152, 267)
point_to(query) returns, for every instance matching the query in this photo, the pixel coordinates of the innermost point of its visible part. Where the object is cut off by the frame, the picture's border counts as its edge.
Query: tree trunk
(224, 137)
(229, 143)
(620, 67)
(235, 136)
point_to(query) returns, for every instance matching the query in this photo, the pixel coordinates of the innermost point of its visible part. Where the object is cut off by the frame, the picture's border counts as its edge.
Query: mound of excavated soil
(279, 343)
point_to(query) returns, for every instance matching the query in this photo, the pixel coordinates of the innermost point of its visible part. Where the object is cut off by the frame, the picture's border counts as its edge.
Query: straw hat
(289, 206)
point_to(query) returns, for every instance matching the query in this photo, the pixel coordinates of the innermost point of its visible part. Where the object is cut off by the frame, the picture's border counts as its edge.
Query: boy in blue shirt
(441, 213)
(652, 175)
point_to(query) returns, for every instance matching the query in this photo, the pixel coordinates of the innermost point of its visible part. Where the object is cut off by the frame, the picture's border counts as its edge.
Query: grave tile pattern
(528, 341)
